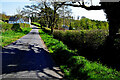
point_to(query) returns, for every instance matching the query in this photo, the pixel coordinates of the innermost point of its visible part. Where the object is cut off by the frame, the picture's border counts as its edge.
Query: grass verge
(77, 67)
(10, 36)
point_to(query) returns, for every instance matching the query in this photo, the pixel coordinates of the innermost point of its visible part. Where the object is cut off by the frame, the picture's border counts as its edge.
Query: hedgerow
(80, 38)
(88, 42)
(76, 67)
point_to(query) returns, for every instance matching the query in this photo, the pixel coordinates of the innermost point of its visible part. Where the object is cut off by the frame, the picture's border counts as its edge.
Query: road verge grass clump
(36, 24)
(76, 67)
(47, 30)
(12, 32)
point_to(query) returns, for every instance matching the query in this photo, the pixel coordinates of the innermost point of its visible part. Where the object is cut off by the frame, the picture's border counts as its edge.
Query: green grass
(37, 24)
(12, 32)
(10, 36)
(77, 67)
(91, 70)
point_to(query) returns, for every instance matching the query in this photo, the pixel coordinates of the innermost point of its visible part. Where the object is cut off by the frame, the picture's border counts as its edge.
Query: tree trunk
(113, 16)
(53, 18)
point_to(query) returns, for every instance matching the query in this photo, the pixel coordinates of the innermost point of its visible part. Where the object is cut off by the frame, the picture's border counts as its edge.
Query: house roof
(13, 19)
(26, 19)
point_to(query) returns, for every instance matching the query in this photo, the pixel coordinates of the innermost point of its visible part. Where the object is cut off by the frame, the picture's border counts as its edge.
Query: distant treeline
(86, 23)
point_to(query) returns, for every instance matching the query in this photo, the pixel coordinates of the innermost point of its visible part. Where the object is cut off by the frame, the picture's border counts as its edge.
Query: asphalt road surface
(27, 58)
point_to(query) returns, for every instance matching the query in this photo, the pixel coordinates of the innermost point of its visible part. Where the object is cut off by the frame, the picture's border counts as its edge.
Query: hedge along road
(27, 58)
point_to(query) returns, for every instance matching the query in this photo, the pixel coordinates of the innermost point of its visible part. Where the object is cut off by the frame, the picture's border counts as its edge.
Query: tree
(33, 11)
(83, 23)
(19, 14)
(110, 8)
(89, 23)
(77, 24)
(83, 17)
(78, 17)
(3, 16)
(43, 9)
(113, 16)
(55, 8)
(65, 13)
(70, 28)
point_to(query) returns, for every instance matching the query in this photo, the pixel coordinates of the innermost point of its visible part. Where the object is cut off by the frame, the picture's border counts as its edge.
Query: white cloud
(92, 14)
(95, 2)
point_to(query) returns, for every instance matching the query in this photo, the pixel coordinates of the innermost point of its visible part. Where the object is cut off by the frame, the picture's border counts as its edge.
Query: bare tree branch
(82, 5)
(85, 7)
(60, 5)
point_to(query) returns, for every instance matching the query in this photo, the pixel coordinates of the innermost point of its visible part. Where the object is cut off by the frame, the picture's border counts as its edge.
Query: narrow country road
(27, 58)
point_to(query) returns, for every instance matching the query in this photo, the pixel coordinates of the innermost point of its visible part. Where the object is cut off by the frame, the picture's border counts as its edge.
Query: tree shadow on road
(31, 59)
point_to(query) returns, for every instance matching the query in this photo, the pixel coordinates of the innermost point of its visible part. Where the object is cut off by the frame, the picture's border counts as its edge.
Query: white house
(27, 20)
(13, 20)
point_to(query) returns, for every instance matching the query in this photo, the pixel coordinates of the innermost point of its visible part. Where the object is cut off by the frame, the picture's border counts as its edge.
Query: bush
(16, 27)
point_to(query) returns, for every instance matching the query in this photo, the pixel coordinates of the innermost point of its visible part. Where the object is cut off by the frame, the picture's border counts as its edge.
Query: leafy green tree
(94, 25)
(83, 23)
(4, 16)
(89, 23)
(70, 28)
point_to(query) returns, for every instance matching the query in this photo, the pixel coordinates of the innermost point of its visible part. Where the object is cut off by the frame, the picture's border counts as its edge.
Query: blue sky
(10, 6)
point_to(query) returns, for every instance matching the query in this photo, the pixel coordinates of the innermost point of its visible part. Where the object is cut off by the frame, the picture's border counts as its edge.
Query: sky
(10, 8)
